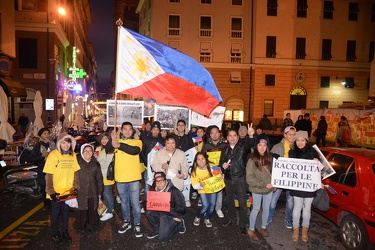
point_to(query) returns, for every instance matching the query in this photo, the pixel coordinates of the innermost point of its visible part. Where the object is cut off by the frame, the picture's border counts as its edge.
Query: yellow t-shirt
(128, 168)
(62, 167)
(199, 176)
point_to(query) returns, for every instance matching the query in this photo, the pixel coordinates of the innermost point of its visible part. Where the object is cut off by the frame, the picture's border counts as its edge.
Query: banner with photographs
(168, 116)
(127, 111)
(216, 118)
(149, 107)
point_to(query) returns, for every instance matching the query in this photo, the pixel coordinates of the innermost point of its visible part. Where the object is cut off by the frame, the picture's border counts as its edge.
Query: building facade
(267, 56)
(50, 52)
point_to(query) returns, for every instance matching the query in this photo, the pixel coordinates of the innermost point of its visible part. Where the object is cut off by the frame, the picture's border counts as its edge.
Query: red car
(353, 207)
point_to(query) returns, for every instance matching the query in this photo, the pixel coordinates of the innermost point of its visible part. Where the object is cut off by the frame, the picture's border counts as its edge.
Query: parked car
(227, 124)
(353, 207)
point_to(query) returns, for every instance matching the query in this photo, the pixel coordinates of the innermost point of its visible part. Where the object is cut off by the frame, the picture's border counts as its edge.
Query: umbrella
(6, 130)
(79, 120)
(38, 108)
(68, 110)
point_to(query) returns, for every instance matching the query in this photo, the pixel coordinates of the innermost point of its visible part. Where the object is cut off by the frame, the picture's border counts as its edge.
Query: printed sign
(296, 174)
(213, 184)
(158, 201)
(216, 118)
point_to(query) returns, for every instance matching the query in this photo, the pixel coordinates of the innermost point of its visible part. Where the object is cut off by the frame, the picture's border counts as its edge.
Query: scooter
(20, 180)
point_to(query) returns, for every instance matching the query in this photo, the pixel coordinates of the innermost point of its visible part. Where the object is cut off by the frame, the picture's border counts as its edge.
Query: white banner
(216, 118)
(296, 174)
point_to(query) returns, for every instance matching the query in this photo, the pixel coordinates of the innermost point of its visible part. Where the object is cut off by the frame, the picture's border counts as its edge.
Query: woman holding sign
(302, 200)
(202, 171)
(258, 176)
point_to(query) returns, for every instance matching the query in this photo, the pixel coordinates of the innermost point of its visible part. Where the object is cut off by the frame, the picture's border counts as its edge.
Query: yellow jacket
(128, 168)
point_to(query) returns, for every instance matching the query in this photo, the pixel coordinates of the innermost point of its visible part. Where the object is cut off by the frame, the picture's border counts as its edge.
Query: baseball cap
(287, 129)
(159, 175)
(242, 128)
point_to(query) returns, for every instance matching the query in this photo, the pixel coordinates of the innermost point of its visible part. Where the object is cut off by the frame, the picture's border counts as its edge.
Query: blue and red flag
(148, 68)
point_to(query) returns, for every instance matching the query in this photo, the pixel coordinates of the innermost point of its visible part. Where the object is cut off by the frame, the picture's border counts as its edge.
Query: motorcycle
(20, 180)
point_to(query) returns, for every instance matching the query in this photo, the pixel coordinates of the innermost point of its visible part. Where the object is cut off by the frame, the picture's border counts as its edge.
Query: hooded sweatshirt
(60, 168)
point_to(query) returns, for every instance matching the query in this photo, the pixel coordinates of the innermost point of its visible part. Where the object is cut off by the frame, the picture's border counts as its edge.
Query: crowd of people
(179, 162)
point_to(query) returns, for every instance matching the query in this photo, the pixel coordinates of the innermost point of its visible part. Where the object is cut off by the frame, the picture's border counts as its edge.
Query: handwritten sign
(158, 201)
(213, 184)
(296, 174)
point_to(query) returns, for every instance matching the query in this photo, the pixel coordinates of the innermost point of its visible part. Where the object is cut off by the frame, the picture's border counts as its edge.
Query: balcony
(236, 34)
(174, 31)
(205, 32)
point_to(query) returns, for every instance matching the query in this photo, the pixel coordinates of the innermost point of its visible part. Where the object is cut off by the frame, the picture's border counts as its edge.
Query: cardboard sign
(158, 201)
(213, 184)
(296, 174)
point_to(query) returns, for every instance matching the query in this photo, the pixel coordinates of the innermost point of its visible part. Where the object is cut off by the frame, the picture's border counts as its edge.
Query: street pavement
(25, 225)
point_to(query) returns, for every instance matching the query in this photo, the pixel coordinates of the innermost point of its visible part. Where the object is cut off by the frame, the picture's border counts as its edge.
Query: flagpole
(119, 24)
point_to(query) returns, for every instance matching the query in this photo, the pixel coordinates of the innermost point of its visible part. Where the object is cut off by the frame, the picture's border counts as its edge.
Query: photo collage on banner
(127, 111)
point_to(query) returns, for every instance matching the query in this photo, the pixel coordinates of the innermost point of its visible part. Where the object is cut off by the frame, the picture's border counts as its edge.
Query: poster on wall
(168, 116)
(127, 111)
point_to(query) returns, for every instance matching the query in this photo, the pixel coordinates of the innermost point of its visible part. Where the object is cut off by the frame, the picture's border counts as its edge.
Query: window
(174, 25)
(236, 27)
(372, 51)
(300, 48)
(325, 81)
(237, 2)
(174, 44)
(326, 49)
(28, 53)
(271, 47)
(349, 82)
(270, 80)
(323, 104)
(236, 53)
(205, 52)
(353, 12)
(373, 13)
(174, 1)
(271, 7)
(302, 8)
(345, 169)
(350, 51)
(268, 107)
(29, 5)
(206, 1)
(205, 26)
(328, 10)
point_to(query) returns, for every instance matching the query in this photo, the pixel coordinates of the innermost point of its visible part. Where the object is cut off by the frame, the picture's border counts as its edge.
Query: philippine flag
(148, 68)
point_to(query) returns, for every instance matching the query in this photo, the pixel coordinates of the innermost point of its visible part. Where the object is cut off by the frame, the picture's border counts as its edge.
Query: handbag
(321, 200)
(315, 133)
(111, 170)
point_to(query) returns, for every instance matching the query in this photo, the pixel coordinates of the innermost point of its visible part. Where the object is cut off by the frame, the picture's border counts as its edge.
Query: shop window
(268, 107)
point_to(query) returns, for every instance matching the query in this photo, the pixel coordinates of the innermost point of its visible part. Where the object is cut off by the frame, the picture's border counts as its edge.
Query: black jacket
(238, 156)
(149, 143)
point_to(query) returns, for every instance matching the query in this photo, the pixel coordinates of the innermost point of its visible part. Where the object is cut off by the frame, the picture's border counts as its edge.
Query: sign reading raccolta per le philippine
(296, 174)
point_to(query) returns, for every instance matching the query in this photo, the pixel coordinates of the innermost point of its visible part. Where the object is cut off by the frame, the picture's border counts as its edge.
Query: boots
(305, 237)
(263, 232)
(295, 234)
(252, 234)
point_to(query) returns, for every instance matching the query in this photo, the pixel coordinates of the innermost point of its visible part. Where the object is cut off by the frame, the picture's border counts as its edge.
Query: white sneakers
(106, 216)
(220, 213)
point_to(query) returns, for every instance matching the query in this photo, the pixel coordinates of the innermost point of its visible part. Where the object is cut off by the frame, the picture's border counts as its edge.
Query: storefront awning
(13, 88)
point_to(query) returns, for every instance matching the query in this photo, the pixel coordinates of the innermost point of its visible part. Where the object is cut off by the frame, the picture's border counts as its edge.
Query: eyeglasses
(159, 181)
(87, 151)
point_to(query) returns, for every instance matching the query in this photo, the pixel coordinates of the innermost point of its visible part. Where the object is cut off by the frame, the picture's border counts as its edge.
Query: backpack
(346, 136)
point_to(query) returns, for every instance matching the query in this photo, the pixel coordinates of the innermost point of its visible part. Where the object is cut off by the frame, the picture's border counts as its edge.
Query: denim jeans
(57, 209)
(288, 208)
(208, 205)
(165, 225)
(219, 200)
(129, 195)
(304, 205)
(232, 187)
(260, 200)
(109, 197)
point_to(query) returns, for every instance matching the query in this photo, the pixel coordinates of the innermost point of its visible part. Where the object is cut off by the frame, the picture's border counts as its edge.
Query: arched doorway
(234, 109)
(298, 98)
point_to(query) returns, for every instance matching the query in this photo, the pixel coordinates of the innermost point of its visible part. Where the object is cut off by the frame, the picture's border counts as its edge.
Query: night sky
(101, 35)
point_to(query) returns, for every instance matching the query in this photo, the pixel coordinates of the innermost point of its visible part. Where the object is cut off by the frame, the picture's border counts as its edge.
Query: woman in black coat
(91, 188)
